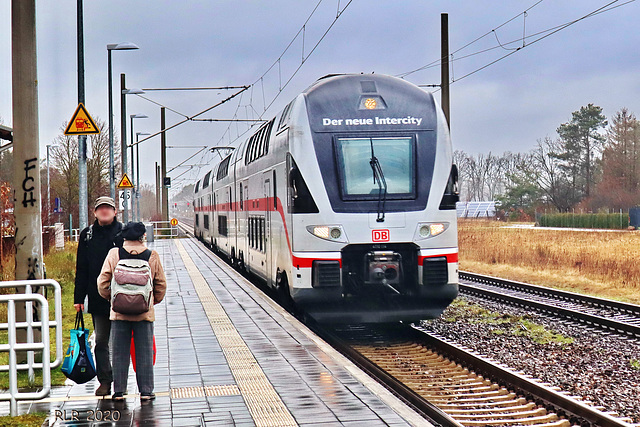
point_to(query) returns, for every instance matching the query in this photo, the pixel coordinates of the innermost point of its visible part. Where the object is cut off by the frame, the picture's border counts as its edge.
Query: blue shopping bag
(78, 363)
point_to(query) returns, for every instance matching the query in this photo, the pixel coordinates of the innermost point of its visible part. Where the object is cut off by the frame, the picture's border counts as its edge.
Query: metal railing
(29, 297)
(12, 347)
(163, 229)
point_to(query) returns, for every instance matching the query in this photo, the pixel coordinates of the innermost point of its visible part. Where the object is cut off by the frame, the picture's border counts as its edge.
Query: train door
(242, 231)
(268, 202)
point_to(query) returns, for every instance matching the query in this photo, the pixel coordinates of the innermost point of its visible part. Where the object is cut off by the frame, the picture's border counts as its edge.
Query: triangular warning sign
(125, 182)
(81, 123)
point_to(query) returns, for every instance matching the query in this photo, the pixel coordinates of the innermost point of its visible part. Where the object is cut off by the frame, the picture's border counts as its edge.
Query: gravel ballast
(603, 369)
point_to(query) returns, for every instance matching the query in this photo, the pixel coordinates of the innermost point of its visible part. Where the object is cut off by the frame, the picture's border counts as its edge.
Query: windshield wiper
(378, 177)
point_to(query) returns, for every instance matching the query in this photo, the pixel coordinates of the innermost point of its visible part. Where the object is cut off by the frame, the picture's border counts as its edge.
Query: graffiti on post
(28, 196)
(33, 268)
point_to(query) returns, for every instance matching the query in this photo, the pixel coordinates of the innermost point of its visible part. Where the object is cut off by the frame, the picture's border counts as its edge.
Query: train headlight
(333, 233)
(321, 232)
(436, 229)
(430, 229)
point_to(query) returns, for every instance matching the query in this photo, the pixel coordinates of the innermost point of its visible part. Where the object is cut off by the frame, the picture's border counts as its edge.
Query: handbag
(132, 351)
(78, 363)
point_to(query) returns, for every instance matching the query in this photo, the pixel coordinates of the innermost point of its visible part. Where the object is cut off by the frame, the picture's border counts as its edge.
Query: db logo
(380, 235)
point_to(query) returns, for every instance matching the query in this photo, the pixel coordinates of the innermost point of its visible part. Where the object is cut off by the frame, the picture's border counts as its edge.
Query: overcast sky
(505, 107)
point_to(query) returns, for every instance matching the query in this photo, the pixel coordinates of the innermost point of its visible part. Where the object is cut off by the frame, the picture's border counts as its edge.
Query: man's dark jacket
(91, 255)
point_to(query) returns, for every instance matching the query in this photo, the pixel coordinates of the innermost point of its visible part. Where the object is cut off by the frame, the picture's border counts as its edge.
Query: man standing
(94, 243)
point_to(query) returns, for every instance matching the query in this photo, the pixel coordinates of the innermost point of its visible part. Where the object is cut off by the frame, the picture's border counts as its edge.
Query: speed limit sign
(174, 222)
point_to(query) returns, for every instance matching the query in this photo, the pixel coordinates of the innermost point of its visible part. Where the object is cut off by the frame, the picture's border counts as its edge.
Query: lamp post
(123, 127)
(48, 188)
(134, 216)
(112, 169)
(138, 174)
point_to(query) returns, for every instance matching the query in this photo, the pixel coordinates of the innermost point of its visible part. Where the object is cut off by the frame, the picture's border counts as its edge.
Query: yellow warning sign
(174, 222)
(81, 123)
(125, 182)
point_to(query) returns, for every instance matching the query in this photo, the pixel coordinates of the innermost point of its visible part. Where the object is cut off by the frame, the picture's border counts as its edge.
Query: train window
(451, 193)
(285, 116)
(197, 187)
(299, 196)
(222, 225)
(275, 192)
(241, 199)
(197, 222)
(223, 169)
(396, 157)
(258, 145)
(206, 221)
(214, 202)
(255, 233)
(230, 199)
(250, 231)
(205, 181)
(260, 232)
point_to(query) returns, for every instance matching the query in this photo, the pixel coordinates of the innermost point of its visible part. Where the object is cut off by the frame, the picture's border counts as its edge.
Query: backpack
(132, 284)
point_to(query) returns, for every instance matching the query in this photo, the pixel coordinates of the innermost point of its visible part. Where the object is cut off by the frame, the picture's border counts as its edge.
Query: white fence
(12, 325)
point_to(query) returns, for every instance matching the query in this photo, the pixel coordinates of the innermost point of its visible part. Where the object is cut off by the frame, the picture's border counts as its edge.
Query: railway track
(453, 386)
(613, 316)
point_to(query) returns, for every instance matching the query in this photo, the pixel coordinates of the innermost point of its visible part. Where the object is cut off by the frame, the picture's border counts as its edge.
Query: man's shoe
(104, 389)
(147, 396)
(117, 396)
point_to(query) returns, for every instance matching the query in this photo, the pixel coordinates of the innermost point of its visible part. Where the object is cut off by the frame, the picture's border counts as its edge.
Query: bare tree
(551, 177)
(64, 158)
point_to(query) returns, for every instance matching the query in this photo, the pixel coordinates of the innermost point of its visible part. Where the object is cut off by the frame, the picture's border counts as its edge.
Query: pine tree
(620, 185)
(582, 143)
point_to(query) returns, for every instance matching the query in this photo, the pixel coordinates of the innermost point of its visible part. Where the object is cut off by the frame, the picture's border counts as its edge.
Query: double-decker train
(344, 202)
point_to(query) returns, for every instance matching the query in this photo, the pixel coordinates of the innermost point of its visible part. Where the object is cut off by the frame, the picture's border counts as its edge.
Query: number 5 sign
(124, 199)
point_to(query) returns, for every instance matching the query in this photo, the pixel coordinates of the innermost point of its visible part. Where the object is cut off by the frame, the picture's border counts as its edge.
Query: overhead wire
(524, 39)
(560, 28)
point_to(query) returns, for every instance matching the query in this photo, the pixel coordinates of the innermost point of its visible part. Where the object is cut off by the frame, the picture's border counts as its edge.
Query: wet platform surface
(227, 355)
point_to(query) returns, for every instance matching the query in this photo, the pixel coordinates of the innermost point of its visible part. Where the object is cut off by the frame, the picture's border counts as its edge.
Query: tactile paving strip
(264, 404)
(217, 390)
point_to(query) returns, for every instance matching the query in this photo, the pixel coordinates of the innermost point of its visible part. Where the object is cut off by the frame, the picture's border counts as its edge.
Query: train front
(373, 160)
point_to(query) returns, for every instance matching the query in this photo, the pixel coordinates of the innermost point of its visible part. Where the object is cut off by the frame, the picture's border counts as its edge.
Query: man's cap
(133, 231)
(105, 200)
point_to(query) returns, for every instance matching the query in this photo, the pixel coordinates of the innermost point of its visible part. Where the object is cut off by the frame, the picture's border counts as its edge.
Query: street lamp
(135, 216)
(48, 188)
(123, 125)
(112, 170)
(138, 173)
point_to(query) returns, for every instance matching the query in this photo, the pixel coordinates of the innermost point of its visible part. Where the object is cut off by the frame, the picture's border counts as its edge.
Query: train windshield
(397, 161)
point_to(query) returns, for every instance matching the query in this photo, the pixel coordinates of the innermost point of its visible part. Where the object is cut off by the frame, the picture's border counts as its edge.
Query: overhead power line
(524, 41)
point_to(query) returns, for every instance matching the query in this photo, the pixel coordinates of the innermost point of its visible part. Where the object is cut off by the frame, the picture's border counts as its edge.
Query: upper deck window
(397, 161)
(223, 169)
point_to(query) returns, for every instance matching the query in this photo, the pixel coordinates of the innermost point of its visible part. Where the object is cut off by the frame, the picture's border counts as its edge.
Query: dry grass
(606, 264)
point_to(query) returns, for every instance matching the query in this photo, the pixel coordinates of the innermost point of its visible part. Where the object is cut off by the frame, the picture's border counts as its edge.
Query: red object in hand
(133, 351)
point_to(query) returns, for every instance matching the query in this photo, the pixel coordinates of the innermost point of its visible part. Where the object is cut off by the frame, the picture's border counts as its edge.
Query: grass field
(61, 266)
(605, 264)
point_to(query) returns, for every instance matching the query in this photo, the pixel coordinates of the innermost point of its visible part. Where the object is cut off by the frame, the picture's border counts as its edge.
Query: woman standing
(140, 325)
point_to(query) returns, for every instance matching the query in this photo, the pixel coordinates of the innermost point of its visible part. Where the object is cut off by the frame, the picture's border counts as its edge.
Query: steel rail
(573, 315)
(418, 403)
(535, 390)
(556, 293)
